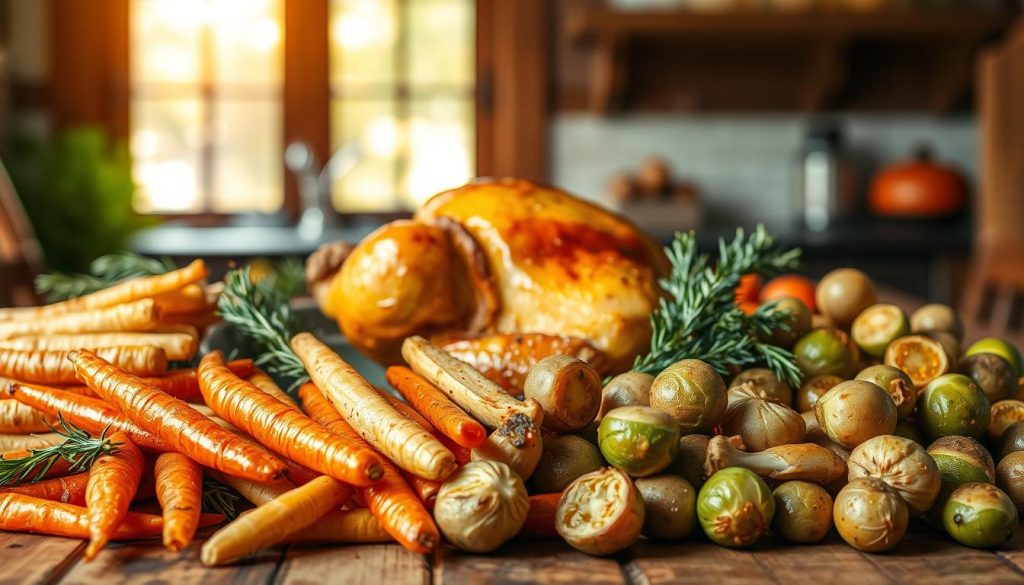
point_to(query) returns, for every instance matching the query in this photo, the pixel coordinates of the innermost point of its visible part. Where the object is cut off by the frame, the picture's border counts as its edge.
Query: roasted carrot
(21, 513)
(397, 438)
(16, 417)
(282, 428)
(341, 527)
(69, 489)
(540, 520)
(135, 316)
(85, 412)
(187, 299)
(53, 367)
(179, 489)
(182, 384)
(255, 492)
(174, 421)
(436, 407)
(261, 380)
(275, 521)
(425, 489)
(179, 344)
(462, 454)
(398, 509)
(118, 294)
(13, 442)
(113, 481)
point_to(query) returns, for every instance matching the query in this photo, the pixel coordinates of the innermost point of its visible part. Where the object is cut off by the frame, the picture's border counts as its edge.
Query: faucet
(315, 185)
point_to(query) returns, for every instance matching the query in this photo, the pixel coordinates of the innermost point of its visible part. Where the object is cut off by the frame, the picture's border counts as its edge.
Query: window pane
(363, 35)
(247, 167)
(165, 143)
(247, 41)
(370, 185)
(440, 148)
(165, 40)
(441, 42)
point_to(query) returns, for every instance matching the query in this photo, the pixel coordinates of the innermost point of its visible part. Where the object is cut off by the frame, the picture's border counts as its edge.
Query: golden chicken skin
(505, 272)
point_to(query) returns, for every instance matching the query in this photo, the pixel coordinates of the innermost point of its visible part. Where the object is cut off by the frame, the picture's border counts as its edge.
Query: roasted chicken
(505, 271)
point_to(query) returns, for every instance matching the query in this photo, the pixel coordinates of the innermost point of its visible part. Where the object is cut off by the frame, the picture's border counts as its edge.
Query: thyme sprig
(698, 317)
(78, 448)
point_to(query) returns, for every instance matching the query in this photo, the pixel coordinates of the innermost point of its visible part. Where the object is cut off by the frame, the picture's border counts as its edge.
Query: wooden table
(923, 557)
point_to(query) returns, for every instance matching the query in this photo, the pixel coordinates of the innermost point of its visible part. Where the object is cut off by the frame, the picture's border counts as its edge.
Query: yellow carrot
(275, 521)
(406, 443)
(257, 493)
(15, 442)
(135, 316)
(342, 527)
(53, 367)
(261, 380)
(16, 417)
(179, 342)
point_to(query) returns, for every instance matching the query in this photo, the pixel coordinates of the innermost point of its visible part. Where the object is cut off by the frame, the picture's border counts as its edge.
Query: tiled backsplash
(745, 164)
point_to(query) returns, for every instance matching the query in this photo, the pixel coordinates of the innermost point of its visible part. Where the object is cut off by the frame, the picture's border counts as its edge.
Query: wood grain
(656, 564)
(371, 564)
(29, 559)
(519, 562)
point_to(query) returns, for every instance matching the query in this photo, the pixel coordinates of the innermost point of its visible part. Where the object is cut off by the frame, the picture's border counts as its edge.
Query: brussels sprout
(980, 515)
(826, 351)
(761, 423)
(563, 460)
(567, 388)
(600, 513)
(628, 389)
(952, 404)
(803, 511)
(843, 293)
(870, 515)
(896, 383)
(692, 393)
(877, 326)
(799, 321)
(936, 317)
(960, 460)
(1002, 414)
(670, 506)
(689, 460)
(949, 343)
(766, 384)
(855, 411)
(903, 465)
(994, 374)
(922, 358)
(813, 389)
(1012, 439)
(1001, 348)
(1010, 477)
(638, 439)
(481, 506)
(735, 507)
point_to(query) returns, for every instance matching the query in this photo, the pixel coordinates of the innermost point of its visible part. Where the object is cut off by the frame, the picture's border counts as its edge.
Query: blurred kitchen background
(882, 134)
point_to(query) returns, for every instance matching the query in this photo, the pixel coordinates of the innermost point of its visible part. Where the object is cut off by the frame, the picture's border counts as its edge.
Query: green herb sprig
(698, 317)
(78, 448)
(103, 272)
(219, 498)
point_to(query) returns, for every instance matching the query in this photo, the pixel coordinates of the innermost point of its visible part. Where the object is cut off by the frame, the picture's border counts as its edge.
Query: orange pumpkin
(920, 188)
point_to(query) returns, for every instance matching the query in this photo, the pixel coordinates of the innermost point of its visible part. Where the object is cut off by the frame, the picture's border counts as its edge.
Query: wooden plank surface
(31, 559)
(370, 564)
(551, 562)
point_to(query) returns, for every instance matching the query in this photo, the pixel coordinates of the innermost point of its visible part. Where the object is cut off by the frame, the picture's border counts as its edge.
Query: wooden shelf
(820, 54)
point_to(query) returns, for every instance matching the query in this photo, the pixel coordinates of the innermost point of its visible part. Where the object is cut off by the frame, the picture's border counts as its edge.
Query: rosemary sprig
(103, 272)
(261, 312)
(219, 498)
(78, 448)
(698, 317)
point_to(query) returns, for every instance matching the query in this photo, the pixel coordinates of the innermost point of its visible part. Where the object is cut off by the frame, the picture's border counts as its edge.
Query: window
(206, 86)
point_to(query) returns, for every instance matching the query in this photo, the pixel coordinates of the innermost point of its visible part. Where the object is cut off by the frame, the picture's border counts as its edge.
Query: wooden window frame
(89, 46)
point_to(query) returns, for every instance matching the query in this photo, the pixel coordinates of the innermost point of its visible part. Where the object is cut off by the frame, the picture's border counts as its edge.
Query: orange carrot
(52, 367)
(182, 384)
(425, 489)
(283, 429)
(184, 429)
(261, 380)
(16, 417)
(118, 294)
(113, 481)
(90, 414)
(21, 513)
(540, 520)
(436, 407)
(178, 343)
(60, 467)
(405, 443)
(179, 488)
(135, 316)
(398, 509)
(187, 299)
(462, 454)
(69, 489)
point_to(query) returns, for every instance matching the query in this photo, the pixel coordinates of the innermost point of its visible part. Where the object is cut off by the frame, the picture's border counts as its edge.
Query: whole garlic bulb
(901, 463)
(481, 506)
(760, 422)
